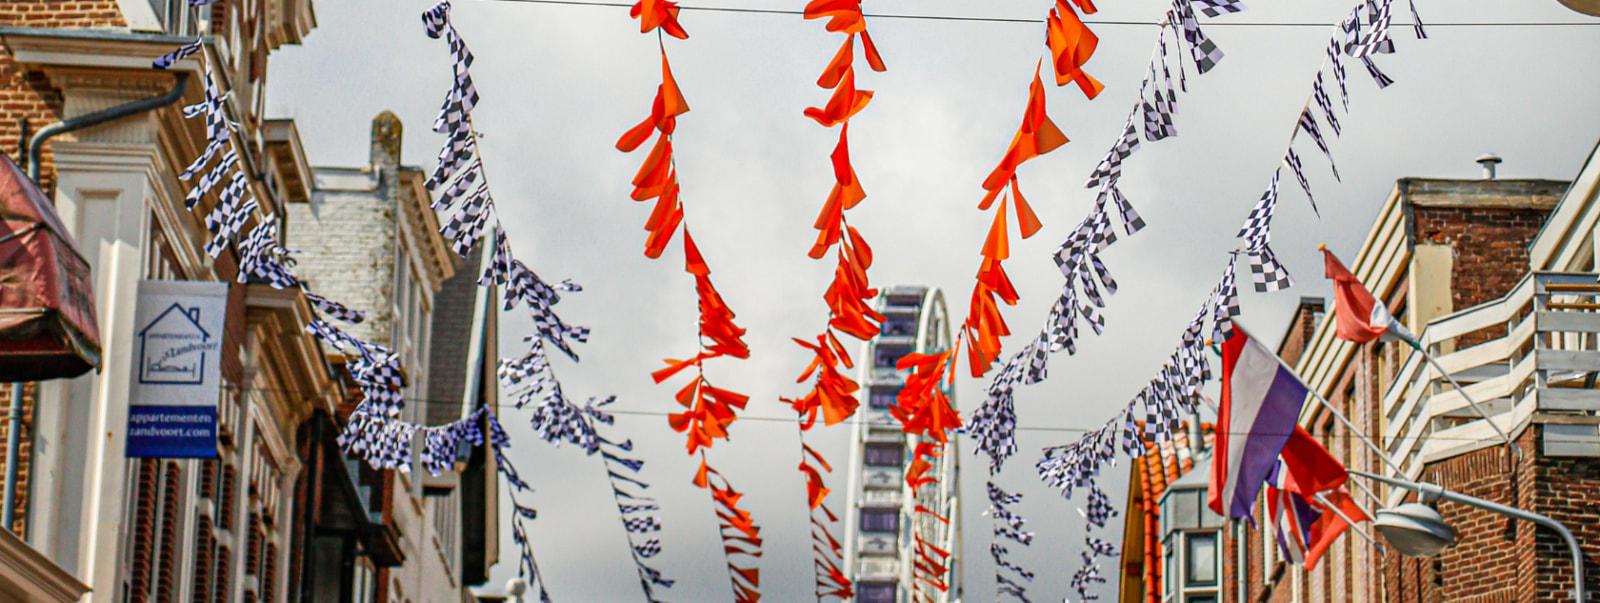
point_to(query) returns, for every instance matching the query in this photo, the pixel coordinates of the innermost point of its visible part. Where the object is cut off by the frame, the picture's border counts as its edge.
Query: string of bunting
(373, 431)
(710, 410)
(848, 296)
(1175, 389)
(922, 405)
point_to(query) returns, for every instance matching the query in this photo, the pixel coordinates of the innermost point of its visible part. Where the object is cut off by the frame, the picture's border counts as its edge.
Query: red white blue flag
(1261, 400)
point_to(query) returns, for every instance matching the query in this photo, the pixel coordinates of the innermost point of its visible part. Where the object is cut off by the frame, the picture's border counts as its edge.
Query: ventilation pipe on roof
(1489, 161)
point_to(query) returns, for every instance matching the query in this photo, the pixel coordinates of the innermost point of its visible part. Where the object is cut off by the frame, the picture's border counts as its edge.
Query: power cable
(980, 19)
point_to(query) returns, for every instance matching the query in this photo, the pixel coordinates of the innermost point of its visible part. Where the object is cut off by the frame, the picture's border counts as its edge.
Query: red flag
(1328, 527)
(1359, 316)
(1311, 469)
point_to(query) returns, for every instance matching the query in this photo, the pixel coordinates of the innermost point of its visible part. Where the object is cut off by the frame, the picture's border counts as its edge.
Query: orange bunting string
(658, 13)
(833, 395)
(1071, 45)
(737, 527)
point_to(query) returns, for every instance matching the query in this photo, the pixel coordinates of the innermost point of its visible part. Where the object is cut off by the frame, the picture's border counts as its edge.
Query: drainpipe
(31, 151)
(36, 144)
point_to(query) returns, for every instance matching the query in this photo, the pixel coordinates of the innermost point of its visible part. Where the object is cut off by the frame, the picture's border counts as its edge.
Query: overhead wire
(500, 406)
(1032, 21)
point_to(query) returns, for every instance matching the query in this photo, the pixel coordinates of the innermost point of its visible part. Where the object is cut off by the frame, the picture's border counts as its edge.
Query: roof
(450, 353)
(1163, 465)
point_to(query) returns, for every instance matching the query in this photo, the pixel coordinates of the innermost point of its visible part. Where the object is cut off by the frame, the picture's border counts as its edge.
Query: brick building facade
(1478, 269)
(281, 514)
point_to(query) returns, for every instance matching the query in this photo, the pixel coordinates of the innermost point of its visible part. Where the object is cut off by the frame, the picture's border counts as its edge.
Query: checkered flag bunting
(1293, 160)
(185, 51)
(335, 310)
(1110, 167)
(1205, 52)
(1008, 525)
(1308, 124)
(1215, 8)
(1336, 63)
(1377, 41)
(1416, 21)
(1266, 273)
(1324, 102)
(1378, 76)
(1257, 226)
(1225, 303)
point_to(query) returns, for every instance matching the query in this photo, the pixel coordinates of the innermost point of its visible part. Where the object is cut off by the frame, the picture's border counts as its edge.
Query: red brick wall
(1491, 252)
(28, 94)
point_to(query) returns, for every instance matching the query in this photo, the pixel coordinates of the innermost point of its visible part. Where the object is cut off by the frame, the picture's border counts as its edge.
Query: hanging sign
(176, 383)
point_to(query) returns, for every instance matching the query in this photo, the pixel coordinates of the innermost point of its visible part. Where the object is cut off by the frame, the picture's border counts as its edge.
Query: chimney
(386, 133)
(1488, 161)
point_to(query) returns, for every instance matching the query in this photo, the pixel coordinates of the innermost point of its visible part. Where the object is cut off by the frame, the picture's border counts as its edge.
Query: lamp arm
(1429, 492)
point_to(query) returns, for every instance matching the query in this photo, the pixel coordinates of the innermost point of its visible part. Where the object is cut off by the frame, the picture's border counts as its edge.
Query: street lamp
(516, 587)
(1416, 530)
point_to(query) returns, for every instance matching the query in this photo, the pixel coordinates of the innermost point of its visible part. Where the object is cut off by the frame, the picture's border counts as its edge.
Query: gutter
(35, 145)
(32, 151)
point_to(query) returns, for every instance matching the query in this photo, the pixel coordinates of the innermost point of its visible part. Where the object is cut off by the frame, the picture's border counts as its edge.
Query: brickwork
(30, 392)
(346, 238)
(1487, 226)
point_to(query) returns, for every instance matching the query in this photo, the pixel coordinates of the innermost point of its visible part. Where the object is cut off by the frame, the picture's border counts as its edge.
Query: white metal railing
(1543, 358)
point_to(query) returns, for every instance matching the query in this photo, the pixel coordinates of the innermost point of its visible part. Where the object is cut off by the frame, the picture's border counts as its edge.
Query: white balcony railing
(1533, 351)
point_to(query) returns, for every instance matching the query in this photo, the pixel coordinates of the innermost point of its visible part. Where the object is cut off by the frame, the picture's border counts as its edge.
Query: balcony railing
(1533, 351)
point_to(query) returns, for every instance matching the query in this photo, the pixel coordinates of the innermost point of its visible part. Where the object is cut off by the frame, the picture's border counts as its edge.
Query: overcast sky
(561, 82)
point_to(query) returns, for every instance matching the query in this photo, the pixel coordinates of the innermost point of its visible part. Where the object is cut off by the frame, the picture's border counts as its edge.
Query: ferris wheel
(881, 522)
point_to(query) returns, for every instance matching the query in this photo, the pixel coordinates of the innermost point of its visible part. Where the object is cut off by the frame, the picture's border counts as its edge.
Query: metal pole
(1436, 492)
(1322, 497)
(1345, 420)
(8, 513)
(1516, 453)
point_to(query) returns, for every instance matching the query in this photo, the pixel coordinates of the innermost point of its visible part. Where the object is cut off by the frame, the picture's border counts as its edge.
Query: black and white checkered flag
(1214, 8)
(1416, 21)
(466, 226)
(334, 310)
(1293, 159)
(1257, 226)
(648, 548)
(1383, 80)
(1336, 61)
(1098, 547)
(210, 180)
(226, 220)
(186, 50)
(1377, 41)
(1100, 509)
(457, 149)
(1324, 102)
(1110, 167)
(1205, 52)
(1266, 273)
(1225, 304)
(1308, 124)
(1163, 106)
(263, 259)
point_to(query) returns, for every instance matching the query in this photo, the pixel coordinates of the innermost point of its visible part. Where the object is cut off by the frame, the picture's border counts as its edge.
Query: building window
(887, 356)
(875, 592)
(1200, 555)
(885, 455)
(883, 397)
(880, 520)
(900, 326)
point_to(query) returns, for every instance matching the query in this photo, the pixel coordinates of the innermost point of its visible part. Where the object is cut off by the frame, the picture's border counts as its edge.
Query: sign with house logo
(176, 383)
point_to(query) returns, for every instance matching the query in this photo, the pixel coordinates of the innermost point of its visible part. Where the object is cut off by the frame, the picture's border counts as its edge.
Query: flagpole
(1323, 498)
(1516, 453)
(1343, 419)
(1373, 496)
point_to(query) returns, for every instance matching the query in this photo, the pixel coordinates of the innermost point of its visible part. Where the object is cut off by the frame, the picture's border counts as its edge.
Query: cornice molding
(35, 577)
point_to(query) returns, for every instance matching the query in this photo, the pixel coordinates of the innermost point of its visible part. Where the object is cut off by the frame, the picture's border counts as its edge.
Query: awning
(47, 321)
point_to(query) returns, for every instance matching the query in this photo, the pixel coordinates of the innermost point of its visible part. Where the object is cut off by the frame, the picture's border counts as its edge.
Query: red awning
(47, 322)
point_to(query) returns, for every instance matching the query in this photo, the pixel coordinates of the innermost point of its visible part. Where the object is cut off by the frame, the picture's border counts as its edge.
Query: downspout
(36, 144)
(33, 149)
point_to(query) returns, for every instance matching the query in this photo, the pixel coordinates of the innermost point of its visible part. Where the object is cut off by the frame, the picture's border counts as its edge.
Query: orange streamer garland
(833, 395)
(922, 406)
(708, 410)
